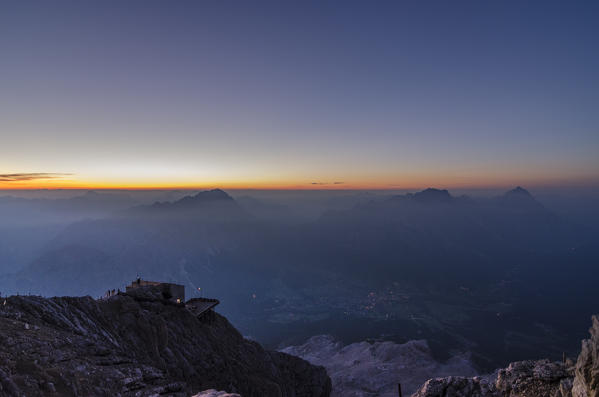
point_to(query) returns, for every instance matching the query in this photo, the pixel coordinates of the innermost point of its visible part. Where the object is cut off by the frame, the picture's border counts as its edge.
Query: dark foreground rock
(541, 378)
(132, 347)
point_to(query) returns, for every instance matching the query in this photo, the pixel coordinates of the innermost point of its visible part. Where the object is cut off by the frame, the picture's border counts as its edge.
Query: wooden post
(399, 389)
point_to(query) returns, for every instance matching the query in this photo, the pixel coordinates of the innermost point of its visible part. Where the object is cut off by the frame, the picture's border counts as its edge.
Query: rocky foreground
(127, 346)
(541, 378)
(374, 369)
(130, 345)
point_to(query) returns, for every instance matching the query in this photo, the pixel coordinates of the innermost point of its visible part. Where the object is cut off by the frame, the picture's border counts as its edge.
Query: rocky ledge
(126, 346)
(529, 378)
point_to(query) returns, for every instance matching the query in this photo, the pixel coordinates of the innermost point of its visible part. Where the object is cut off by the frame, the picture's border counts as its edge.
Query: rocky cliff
(586, 379)
(127, 346)
(541, 378)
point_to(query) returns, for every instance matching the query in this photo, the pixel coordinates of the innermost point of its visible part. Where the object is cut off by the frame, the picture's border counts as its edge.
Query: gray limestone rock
(457, 386)
(374, 369)
(123, 346)
(519, 379)
(586, 380)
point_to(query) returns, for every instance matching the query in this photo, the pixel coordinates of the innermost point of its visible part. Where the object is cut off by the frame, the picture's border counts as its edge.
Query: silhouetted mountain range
(211, 205)
(472, 257)
(408, 235)
(198, 200)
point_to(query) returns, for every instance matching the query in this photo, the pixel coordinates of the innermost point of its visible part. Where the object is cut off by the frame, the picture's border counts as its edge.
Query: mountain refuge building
(171, 292)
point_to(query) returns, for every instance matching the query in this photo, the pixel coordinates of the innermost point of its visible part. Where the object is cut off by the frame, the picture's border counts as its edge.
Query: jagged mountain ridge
(130, 346)
(433, 227)
(433, 195)
(211, 205)
(197, 200)
(464, 259)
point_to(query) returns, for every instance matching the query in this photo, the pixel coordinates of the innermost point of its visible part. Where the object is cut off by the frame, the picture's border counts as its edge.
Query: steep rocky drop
(126, 346)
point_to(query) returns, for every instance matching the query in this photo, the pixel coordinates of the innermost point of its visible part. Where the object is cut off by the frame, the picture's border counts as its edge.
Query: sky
(282, 94)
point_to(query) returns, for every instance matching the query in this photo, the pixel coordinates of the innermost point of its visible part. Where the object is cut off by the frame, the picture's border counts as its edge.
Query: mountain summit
(210, 204)
(520, 197)
(208, 196)
(519, 191)
(432, 195)
(197, 201)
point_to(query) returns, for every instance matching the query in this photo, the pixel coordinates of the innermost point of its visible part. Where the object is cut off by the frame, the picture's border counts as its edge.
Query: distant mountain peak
(212, 195)
(205, 197)
(430, 195)
(519, 191)
(521, 197)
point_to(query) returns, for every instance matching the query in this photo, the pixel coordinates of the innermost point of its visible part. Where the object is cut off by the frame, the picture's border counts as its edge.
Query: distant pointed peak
(520, 191)
(520, 196)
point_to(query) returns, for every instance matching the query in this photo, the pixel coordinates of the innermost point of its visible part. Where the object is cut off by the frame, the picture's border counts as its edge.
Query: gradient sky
(304, 94)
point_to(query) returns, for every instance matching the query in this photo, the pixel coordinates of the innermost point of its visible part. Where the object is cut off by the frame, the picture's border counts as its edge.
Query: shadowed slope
(78, 346)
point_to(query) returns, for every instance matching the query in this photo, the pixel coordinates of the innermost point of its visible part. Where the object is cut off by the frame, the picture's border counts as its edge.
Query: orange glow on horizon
(405, 183)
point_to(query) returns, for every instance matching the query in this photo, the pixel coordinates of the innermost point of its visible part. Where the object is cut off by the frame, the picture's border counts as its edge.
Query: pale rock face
(374, 369)
(533, 378)
(519, 379)
(457, 386)
(586, 381)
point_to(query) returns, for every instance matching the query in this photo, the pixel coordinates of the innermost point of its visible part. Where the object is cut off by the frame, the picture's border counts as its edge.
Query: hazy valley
(501, 278)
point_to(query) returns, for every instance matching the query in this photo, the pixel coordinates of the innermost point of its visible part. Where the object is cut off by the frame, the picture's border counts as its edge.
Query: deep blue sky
(373, 94)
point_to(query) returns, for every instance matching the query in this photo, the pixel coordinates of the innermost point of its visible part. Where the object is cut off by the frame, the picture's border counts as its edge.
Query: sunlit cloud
(31, 176)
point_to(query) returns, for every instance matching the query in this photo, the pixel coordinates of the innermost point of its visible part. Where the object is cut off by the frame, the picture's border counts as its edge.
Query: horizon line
(297, 188)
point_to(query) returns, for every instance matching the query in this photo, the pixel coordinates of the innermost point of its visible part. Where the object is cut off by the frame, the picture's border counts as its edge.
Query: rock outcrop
(520, 379)
(124, 346)
(529, 378)
(457, 386)
(375, 369)
(586, 381)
